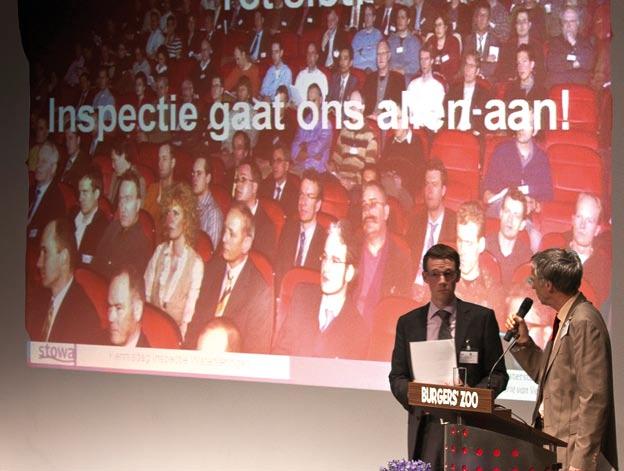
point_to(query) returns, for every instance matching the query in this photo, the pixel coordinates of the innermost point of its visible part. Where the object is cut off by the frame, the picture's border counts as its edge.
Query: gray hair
(562, 267)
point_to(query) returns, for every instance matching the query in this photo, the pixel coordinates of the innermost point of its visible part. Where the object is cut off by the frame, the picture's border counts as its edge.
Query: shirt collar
(451, 308)
(565, 309)
(58, 299)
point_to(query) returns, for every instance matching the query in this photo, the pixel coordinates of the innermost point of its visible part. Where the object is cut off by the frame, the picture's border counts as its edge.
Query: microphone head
(525, 307)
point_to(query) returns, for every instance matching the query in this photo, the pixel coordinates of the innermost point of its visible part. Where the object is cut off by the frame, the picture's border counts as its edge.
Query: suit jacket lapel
(238, 296)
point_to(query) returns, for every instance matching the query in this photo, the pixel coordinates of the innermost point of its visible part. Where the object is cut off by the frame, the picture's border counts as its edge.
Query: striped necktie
(225, 297)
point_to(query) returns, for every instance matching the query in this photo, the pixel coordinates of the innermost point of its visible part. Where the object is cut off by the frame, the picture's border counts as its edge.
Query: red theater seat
(183, 166)
(573, 137)
(553, 240)
(385, 319)
(148, 226)
(96, 289)
(360, 75)
(489, 263)
(218, 170)
(582, 109)
(397, 221)
(69, 196)
(222, 197)
(159, 328)
(491, 143)
(147, 174)
(203, 246)
(263, 265)
(293, 278)
(147, 154)
(460, 153)
(105, 206)
(457, 193)
(335, 200)
(325, 220)
(276, 215)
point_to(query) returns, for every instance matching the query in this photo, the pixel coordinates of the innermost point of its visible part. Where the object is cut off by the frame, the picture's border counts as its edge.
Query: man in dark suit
(302, 239)
(342, 82)
(384, 267)
(473, 328)
(281, 186)
(88, 221)
(246, 184)
(77, 162)
(238, 18)
(475, 97)
(423, 17)
(386, 18)
(233, 288)
(46, 199)
(333, 41)
(203, 73)
(66, 315)
(385, 84)
(304, 18)
(325, 322)
(484, 42)
(434, 224)
(126, 295)
(575, 400)
(260, 41)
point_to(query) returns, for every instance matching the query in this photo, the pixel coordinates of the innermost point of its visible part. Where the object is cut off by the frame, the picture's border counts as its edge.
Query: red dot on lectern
(496, 468)
(479, 468)
(515, 453)
(453, 467)
(479, 452)
(465, 450)
(515, 468)
(464, 467)
(496, 452)
(465, 433)
(453, 430)
(453, 449)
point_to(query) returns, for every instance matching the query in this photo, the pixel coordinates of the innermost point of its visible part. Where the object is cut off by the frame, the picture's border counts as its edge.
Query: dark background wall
(69, 420)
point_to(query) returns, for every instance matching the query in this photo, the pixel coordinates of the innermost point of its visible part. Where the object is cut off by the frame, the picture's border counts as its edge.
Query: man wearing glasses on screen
(477, 344)
(325, 322)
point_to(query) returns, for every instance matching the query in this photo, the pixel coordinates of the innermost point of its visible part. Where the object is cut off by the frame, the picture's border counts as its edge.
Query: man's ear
(349, 273)
(137, 309)
(481, 244)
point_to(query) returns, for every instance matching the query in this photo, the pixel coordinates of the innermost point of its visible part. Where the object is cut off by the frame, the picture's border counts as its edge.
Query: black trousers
(430, 442)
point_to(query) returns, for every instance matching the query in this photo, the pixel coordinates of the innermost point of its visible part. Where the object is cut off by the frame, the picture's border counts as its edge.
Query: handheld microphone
(522, 311)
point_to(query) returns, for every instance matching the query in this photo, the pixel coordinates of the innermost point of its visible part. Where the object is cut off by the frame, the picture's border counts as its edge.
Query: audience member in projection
(404, 47)
(279, 18)
(153, 196)
(446, 49)
(238, 18)
(244, 68)
(333, 41)
(280, 185)
(204, 70)
(397, 178)
(459, 16)
(241, 151)
(309, 75)
(403, 143)
(120, 161)
(209, 215)
(523, 36)
(352, 17)
(88, 220)
(76, 68)
(354, 149)
(310, 148)
(192, 36)
(570, 56)
(447, 316)
(433, 224)
(520, 163)
(385, 20)
(342, 82)
(474, 94)
(595, 255)
(480, 280)
(39, 134)
(45, 199)
(539, 319)
(246, 184)
(141, 64)
(526, 85)
(173, 43)
(302, 239)
(484, 42)
(219, 336)
(84, 95)
(365, 42)
(325, 322)
(174, 273)
(260, 42)
(539, 17)
(142, 94)
(268, 138)
(306, 18)
(422, 18)
(499, 20)
(161, 67)
(278, 74)
(384, 84)
(104, 96)
(124, 241)
(63, 313)
(241, 111)
(233, 288)
(76, 162)
(157, 135)
(426, 96)
(510, 246)
(384, 267)
(126, 295)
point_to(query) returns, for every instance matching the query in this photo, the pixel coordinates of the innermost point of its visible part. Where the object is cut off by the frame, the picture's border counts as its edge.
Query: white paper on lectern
(433, 361)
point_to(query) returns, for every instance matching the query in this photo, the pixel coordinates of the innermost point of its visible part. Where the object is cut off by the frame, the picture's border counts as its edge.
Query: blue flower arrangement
(406, 465)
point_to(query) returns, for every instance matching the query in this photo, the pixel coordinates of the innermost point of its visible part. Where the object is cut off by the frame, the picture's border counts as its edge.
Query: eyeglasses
(334, 260)
(371, 204)
(449, 275)
(532, 280)
(243, 180)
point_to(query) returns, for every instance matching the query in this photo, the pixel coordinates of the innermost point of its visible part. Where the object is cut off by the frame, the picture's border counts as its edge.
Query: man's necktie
(302, 240)
(431, 239)
(445, 327)
(278, 193)
(343, 85)
(255, 46)
(386, 22)
(47, 326)
(225, 297)
(31, 210)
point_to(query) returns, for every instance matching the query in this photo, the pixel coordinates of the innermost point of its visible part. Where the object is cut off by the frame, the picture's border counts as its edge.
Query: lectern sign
(450, 397)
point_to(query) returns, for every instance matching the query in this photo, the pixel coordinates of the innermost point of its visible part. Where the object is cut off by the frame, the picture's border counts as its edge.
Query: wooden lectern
(482, 437)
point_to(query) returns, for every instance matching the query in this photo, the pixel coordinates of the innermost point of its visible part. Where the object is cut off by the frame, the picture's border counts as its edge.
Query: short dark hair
(141, 75)
(528, 49)
(349, 49)
(65, 239)
(120, 147)
(136, 283)
(256, 174)
(280, 145)
(347, 235)
(517, 195)
(245, 138)
(378, 186)
(283, 89)
(95, 177)
(402, 7)
(207, 164)
(562, 267)
(435, 164)
(130, 176)
(441, 252)
(314, 176)
(234, 341)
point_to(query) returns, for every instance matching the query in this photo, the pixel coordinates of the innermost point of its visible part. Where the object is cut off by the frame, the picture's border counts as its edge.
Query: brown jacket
(576, 385)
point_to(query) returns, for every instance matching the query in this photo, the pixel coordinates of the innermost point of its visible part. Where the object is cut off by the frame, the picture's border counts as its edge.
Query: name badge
(240, 22)
(263, 55)
(87, 259)
(454, 24)
(571, 57)
(422, 21)
(393, 28)
(353, 151)
(547, 7)
(336, 54)
(309, 20)
(492, 24)
(399, 50)
(444, 58)
(202, 76)
(32, 234)
(219, 26)
(564, 329)
(469, 357)
(494, 52)
(283, 23)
